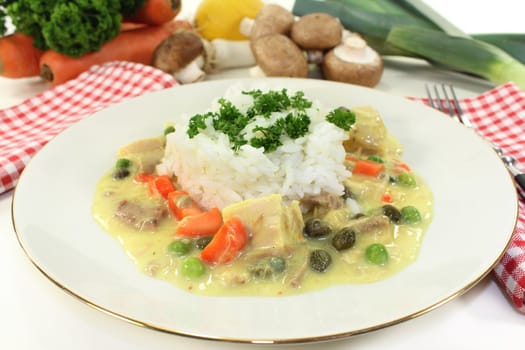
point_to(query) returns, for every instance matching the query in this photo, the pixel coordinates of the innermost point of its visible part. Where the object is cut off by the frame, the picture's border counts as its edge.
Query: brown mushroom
(181, 54)
(353, 62)
(317, 31)
(278, 55)
(271, 19)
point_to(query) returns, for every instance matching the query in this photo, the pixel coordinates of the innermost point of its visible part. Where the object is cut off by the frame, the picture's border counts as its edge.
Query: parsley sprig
(341, 117)
(230, 121)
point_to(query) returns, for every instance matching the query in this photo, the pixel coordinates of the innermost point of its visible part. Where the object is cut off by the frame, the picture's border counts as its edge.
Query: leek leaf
(460, 53)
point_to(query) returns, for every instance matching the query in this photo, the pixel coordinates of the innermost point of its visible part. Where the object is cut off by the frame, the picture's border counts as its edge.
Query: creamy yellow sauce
(148, 248)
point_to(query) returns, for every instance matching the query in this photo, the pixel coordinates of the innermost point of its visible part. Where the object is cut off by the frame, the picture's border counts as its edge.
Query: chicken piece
(321, 203)
(369, 134)
(365, 189)
(145, 153)
(274, 227)
(142, 218)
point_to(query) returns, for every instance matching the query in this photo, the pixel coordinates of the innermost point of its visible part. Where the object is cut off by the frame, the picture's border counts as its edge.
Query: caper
(344, 239)
(320, 260)
(202, 242)
(315, 228)
(392, 213)
(120, 173)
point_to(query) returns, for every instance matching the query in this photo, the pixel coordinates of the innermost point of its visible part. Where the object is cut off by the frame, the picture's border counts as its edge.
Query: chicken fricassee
(268, 245)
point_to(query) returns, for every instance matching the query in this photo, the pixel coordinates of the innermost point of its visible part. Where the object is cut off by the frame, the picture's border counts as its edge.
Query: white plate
(475, 213)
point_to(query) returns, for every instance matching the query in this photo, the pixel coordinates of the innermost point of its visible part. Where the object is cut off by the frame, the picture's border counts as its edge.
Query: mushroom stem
(192, 72)
(257, 72)
(354, 49)
(225, 54)
(246, 26)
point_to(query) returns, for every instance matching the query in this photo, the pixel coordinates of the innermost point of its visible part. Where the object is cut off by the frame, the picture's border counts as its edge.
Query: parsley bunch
(71, 27)
(231, 122)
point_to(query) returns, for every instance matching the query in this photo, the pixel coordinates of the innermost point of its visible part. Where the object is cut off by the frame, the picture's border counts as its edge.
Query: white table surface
(36, 314)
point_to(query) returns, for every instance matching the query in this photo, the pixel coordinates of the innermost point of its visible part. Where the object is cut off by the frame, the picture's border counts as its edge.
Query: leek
(513, 43)
(464, 54)
(411, 28)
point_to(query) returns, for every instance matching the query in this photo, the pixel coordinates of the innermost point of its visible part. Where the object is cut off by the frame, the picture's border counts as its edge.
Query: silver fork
(451, 107)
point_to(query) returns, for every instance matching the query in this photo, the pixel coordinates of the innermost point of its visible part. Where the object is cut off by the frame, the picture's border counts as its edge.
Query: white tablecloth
(36, 314)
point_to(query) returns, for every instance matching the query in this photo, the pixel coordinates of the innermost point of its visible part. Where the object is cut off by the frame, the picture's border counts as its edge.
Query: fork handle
(520, 180)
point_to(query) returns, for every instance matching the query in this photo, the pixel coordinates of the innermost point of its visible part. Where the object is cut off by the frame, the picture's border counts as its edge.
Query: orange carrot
(368, 167)
(130, 25)
(135, 45)
(162, 185)
(227, 242)
(200, 225)
(155, 12)
(182, 205)
(387, 198)
(18, 57)
(143, 177)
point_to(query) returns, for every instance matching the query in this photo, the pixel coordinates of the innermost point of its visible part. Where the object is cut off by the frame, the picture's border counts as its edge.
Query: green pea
(277, 263)
(376, 159)
(180, 247)
(410, 215)
(122, 163)
(406, 179)
(376, 254)
(192, 267)
(169, 130)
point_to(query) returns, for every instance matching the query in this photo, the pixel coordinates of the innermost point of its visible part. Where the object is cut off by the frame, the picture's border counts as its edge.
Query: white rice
(216, 176)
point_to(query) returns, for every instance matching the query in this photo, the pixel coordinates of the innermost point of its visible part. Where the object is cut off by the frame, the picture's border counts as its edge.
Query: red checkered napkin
(27, 127)
(499, 116)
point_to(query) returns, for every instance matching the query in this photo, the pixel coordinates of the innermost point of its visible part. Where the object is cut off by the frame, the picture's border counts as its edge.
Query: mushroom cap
(317, 31)
(365, 74)
(272, 19)
(177, 51)
(279, 56)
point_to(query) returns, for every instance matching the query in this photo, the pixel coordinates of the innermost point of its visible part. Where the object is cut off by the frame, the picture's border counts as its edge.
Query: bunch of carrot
(139, 37)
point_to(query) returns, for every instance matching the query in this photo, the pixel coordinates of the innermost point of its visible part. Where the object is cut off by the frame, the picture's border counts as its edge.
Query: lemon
(220, 19)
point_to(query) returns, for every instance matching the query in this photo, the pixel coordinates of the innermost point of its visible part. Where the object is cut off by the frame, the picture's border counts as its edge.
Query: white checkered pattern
(499, 116)
(27, 127)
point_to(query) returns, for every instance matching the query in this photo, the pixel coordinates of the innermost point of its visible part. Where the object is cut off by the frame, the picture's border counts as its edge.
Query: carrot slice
(227, 243)
(200, 225)
(162, 185)
(155, 12)
(368, 167)
(143, 177)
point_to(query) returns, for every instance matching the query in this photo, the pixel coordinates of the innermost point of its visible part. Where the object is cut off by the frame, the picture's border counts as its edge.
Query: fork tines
(446, 102)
